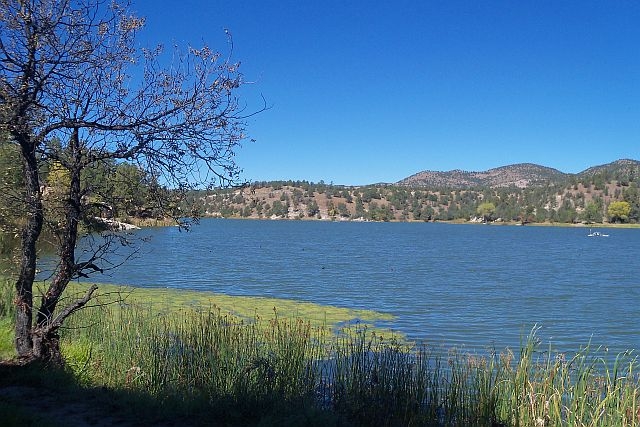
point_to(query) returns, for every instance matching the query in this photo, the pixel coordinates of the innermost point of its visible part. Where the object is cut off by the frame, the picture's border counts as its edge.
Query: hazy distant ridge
(521, 175)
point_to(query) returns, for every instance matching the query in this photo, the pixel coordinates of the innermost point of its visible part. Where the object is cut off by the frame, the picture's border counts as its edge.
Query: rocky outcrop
(114, 225)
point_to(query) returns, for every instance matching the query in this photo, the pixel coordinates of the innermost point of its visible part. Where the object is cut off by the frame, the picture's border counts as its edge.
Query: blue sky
(366, 92)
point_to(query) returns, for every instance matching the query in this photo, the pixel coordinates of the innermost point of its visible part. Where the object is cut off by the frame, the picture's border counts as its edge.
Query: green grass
(190, 358)
(7, 349)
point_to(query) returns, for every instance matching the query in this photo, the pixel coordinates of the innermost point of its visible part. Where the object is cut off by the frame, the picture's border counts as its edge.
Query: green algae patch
(247, 308)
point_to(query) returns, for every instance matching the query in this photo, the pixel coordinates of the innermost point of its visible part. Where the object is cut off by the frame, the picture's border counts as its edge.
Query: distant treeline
(122, 190)
(591, 198)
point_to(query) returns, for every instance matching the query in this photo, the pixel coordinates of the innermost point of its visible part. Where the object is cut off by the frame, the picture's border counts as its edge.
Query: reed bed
(7, 309)
(202, 365)
(198, 361)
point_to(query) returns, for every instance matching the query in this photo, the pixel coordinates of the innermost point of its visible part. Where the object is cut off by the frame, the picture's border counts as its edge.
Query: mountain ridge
(521, 175)
(548, 196)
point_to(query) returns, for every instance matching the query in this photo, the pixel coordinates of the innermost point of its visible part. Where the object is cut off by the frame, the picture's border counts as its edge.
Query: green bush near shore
(201, 363)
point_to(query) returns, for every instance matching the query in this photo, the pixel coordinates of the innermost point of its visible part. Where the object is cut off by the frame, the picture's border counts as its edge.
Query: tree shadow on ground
(44, 396)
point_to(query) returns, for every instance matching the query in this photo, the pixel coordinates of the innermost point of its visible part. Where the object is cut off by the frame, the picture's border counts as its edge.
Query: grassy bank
(166, 356)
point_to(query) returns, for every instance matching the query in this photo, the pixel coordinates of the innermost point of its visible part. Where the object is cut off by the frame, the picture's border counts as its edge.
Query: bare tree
(75, 90)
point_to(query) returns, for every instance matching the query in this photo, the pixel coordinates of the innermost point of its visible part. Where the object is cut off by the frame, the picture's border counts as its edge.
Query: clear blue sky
(366, 91)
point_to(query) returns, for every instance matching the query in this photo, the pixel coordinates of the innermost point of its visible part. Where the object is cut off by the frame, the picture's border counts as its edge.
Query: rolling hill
(521, 175)
(521, 193)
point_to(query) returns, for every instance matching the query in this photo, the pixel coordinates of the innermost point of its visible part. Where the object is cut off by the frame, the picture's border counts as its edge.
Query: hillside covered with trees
(521, 193)
(517, 193)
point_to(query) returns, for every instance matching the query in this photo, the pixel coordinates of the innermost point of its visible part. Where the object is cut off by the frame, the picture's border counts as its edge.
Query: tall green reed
(7, 309)
(202, 357)
(204, 360)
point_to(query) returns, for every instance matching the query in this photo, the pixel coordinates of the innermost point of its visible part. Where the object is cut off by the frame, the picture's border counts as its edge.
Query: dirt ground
(45, 404)
(50, 407)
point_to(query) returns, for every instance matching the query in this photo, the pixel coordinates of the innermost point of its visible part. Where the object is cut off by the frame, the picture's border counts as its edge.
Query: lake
(467, 286)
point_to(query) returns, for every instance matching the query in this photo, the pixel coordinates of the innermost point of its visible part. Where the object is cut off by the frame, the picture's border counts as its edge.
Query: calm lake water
(468, 286)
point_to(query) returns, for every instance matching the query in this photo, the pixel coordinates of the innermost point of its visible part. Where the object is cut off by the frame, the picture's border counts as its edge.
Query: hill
(520, 175)
(523, 192)
(620, 170)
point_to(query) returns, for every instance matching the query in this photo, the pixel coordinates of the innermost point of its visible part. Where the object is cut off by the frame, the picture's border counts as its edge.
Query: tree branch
(70, 309)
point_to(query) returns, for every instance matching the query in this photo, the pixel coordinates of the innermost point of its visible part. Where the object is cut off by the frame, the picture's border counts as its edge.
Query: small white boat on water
(596, 234)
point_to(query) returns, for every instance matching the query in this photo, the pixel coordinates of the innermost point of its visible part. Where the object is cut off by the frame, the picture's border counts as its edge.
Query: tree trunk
(68, 240)
(46, 341)
(47, 344)
(30, 235)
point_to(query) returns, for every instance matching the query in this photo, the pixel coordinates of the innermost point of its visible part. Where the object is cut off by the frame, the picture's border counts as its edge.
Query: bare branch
(72, 308)
(77, 93)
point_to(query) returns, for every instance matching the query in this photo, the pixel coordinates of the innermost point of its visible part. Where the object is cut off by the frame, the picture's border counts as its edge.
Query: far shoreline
(167, 223)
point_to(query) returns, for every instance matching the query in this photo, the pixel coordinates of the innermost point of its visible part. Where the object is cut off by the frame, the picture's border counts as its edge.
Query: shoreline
(457, 222)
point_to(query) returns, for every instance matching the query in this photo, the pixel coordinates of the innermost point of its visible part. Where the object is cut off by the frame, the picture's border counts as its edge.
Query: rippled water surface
(469, 286)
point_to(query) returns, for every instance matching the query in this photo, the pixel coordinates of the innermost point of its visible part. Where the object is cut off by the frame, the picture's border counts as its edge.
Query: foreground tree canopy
(77, 99)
